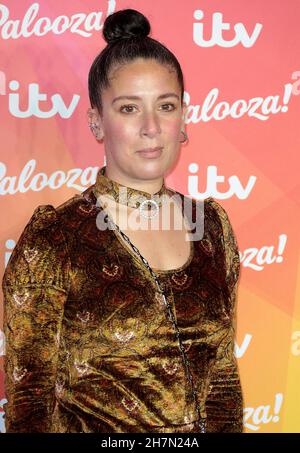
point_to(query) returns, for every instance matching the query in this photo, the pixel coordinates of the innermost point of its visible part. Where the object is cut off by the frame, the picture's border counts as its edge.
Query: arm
(224, 404)
(35, 286)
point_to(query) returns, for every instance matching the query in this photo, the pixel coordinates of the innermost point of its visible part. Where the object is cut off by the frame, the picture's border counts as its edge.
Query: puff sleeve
(224, 404)
(35, 287)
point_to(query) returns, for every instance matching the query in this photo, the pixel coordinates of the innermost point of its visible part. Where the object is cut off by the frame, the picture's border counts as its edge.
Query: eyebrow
(137, 98)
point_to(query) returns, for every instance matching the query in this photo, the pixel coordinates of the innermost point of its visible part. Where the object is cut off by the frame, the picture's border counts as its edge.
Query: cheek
(173, 136)
(120, 132)
(124, 132)
(175, 132)
(172, 128)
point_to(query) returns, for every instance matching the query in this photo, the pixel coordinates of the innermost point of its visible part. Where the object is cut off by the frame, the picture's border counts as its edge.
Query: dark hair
(126, 33)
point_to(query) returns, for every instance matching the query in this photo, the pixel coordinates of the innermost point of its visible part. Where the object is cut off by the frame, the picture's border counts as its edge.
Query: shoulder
(70, 213)
(219, 210)
(218, 230)
(212, 209)
(50, 222)
(223, 219)
(230, 243)
(40, 255)
(208, 209)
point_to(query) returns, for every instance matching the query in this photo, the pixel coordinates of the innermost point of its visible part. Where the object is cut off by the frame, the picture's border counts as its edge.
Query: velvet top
(89, 347)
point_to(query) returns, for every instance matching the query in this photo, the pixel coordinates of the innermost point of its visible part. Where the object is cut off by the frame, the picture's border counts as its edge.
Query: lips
(151, 153)
(146, 150)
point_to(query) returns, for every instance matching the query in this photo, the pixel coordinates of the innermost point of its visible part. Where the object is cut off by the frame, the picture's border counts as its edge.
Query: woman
(124, 329)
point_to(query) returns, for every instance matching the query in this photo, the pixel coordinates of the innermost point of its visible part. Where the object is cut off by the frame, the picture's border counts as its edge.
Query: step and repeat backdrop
(241, 64)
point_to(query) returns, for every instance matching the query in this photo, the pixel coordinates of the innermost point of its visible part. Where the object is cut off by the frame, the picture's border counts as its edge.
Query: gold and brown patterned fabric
(89, 347)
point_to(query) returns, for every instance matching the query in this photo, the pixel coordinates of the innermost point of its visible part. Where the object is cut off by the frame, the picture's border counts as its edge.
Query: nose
(150, 124)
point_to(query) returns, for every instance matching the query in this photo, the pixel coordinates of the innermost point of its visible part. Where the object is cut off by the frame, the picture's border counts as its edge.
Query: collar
(124, 194)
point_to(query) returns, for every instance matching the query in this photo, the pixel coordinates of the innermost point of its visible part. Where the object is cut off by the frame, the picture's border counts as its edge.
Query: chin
(149, 170)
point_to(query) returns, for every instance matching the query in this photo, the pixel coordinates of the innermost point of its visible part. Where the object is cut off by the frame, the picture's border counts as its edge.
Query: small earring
(185, 137)
(94, 127)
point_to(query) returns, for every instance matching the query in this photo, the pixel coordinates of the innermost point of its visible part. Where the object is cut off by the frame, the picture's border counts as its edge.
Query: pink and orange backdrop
(241, 64)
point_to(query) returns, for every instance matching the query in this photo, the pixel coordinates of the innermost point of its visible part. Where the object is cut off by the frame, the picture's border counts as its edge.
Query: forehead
(142, 74)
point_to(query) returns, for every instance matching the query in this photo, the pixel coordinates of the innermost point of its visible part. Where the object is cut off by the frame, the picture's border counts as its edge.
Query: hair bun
(126, 23)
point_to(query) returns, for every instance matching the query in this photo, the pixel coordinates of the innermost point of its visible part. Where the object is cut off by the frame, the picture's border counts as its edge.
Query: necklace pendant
(142, 212)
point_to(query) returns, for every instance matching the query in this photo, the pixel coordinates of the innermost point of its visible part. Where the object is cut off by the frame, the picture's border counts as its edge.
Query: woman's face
(129, 125)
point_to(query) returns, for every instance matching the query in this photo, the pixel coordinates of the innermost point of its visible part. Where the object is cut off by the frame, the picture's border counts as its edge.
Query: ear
(93, 117)
(184, 111)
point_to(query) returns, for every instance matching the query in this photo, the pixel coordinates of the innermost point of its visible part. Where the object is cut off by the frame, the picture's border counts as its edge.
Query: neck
(150, 186)
(123, 194)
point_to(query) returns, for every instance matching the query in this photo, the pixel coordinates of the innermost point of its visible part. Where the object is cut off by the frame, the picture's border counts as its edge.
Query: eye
(130, 106)
(173, 106)
(126, 107)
